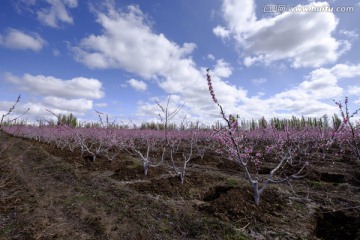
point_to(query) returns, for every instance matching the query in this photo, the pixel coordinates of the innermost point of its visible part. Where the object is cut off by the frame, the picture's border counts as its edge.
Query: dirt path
(46, 193)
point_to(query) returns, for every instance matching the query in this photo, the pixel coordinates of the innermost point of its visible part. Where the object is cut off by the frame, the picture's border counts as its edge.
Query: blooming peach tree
(289, 150)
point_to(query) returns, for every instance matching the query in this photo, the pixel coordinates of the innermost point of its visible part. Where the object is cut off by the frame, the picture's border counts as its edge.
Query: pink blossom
(211, 89)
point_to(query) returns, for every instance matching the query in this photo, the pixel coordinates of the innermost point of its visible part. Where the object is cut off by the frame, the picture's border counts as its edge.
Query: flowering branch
(346, 127)
(239, 149)
(11, 109)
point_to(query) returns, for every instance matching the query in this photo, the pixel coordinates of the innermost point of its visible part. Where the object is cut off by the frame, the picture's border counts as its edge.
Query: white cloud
(311, 98)
(350, 34)
(152, 109)
(101, 104)
(306, 98)
(346, 71)
(137, 85)
(71, 3)
(24, 5)
(135, 48)
(56, 52)
(258, 81)
(176, 73)
(321, 84)
(16, 39)
(56, 13)
(354, 90)
(70, 105)
(303, 38)
(79, 87)
(5, 106)
(210, 56)
(221, 32)
(53, 13)
(60, 96)
(37, 110)
(222, 69)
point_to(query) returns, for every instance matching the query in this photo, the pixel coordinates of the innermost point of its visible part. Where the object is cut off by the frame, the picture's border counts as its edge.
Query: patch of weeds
(299, 205)
(8, 229)
(95, 224)
(223, 230)
(316, 184)
(132, 162)
(194, 227)
(164, 226)
(243, 238)
(189, 226)
(120, 193)
(58, 169)
(232, 183)
(37, 155)
(74, 199)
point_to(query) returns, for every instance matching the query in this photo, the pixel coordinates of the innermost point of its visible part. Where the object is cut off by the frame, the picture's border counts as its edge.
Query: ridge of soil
(50, 193)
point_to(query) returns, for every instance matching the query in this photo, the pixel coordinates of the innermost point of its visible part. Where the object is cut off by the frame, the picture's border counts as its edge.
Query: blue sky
(266, 58)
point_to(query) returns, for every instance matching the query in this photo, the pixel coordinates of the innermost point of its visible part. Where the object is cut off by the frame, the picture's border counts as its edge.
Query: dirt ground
(48, 193)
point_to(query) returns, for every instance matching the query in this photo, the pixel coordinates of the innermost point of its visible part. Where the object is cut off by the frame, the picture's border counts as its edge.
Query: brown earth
(49, 193)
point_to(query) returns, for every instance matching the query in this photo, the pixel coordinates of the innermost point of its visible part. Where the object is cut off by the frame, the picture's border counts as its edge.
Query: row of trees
(294, 122)
(277, 123)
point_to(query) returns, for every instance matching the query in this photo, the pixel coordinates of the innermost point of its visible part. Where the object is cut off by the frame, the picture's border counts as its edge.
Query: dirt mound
(236, 204)
(341, 224)
(194, 186)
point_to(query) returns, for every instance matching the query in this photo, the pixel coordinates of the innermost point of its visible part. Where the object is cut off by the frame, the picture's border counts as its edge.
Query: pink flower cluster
(211, 89)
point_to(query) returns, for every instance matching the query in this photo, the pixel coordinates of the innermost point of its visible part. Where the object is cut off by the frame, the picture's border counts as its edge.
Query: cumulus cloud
(56, 13)
(70, 105)
(321, 84)
(345, 70)
(60, 96)
(37, 110)
(79, 87)
(308, 97)
(139, 50)
(52, 13)
(312, 97)
(221, 32)
(173, 69)
(210, 56)
(146, 109)
(222, 69)
(348, 71)
(134, 48)
(16, 39)
(137, 85)
(303, 38)
(354, 90)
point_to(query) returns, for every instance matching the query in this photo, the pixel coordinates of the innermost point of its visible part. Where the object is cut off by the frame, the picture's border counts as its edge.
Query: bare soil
(49, 193)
